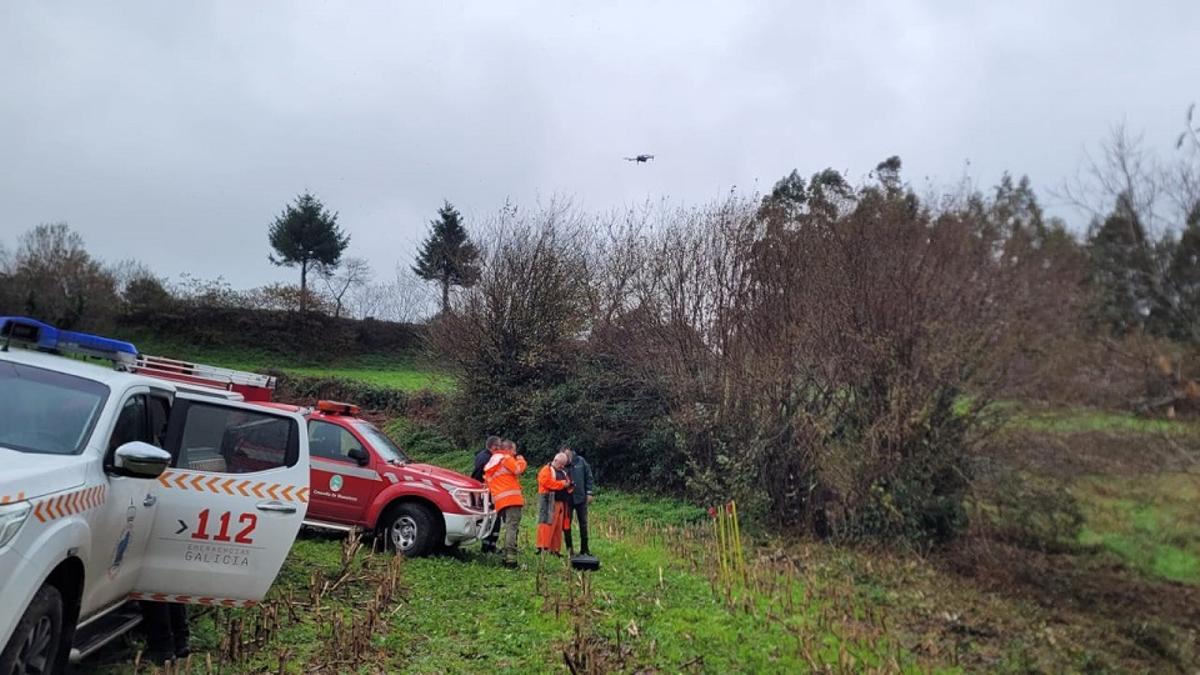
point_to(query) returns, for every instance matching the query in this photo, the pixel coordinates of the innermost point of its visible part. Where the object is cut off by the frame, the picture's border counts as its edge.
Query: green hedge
(291, 333)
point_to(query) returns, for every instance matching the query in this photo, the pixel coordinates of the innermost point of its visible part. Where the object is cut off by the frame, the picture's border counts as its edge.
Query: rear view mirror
(359, 455)
(141, 460)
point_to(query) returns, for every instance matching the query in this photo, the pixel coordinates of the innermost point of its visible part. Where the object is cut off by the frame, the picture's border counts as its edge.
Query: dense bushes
(525, 372)
(823, 356)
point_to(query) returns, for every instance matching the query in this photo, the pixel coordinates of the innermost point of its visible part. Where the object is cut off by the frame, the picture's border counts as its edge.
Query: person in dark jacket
(481, 460)
(581, 477)
(482, 457)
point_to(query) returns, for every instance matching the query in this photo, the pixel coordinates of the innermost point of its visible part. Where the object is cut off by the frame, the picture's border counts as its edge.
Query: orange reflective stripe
(507, 493)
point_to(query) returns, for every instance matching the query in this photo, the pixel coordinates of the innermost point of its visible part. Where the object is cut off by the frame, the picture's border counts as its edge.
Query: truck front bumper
(462, 528)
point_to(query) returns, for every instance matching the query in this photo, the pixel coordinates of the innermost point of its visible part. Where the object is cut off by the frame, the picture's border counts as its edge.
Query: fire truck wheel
(34, 646)
(411, 529)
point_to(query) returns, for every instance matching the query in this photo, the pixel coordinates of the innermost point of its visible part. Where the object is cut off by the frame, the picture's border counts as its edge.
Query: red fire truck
(359, 478)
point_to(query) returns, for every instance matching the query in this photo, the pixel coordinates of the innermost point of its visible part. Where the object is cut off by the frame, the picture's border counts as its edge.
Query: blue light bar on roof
(47, 338)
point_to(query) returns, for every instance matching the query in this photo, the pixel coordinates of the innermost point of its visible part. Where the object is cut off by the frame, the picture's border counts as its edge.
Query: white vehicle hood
(26, 475)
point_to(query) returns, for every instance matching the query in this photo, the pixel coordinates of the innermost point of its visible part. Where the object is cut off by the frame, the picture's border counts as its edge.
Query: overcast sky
(174, 132)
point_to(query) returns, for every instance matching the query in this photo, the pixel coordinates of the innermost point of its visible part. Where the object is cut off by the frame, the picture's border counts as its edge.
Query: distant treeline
(50, 276)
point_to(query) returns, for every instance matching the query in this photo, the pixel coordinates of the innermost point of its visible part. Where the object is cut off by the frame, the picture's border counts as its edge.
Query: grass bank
(1151, 522)
(405, 372)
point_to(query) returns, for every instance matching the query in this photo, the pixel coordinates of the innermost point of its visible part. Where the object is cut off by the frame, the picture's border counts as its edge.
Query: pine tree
(307, 235)
(1185, 278)
(1122, 269)
(447, 255)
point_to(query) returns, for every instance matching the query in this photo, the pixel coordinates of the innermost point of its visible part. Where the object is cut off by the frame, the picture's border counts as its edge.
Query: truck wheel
(411, 529)
(33, 648)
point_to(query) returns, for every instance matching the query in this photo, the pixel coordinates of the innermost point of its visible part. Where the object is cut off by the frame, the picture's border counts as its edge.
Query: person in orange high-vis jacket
(502, 475)
(554, 492)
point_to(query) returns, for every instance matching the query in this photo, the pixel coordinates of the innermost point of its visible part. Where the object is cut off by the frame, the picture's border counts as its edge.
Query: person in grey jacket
(577, 508)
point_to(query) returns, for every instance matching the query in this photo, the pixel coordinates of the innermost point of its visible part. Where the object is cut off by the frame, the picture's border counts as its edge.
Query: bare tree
(404, 298)
(55, 279)
(1185, 184)
(349, 273)
(521, 325)
(1149, 201)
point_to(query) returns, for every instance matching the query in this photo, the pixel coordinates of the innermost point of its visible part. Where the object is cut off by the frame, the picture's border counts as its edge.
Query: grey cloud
(174, 132)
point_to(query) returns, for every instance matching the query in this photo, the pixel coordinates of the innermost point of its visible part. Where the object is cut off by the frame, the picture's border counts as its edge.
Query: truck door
(122, 523)
(230, 506)
(342, 489)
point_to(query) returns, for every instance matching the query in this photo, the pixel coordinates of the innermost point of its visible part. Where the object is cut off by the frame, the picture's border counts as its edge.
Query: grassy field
(1139, 500)
(1084, 420)
(1151, 522)
(405, 372)
(653, 608)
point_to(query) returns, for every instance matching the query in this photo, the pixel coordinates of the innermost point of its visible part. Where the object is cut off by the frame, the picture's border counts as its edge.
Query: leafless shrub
(351, 273)
(816, 352)
(405, 299)
(827, 360)
(519, 323)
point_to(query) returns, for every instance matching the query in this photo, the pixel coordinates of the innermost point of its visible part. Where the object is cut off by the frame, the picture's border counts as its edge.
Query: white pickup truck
(116, 486)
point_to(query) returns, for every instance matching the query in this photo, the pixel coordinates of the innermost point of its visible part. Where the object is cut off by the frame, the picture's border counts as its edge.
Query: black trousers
(493, 537)
(166, 625)
(577, 512)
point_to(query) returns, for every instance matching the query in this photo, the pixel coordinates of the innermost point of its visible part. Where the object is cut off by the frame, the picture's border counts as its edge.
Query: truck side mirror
(359, 455)
(140, 460)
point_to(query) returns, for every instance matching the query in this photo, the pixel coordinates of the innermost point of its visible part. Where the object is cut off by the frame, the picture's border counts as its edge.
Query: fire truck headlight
(459, 495)
(12, 516)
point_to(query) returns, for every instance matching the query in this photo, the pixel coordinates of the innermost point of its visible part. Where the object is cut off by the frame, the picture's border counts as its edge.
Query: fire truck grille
(479, 500)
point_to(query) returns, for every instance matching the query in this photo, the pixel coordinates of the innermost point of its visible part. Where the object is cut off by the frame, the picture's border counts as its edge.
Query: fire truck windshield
(387, 450)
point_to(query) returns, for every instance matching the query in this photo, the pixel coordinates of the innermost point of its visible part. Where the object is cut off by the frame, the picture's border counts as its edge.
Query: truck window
(47, 412)
(158, 412)
(217, 438)
(131, 424)
(384, 447)
(330, 441)
(142, 418)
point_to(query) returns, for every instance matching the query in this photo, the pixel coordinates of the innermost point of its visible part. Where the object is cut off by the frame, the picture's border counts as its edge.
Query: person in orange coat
(554, 491)
(502, 475)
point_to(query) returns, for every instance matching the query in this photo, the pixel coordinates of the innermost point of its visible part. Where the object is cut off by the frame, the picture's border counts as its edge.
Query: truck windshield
(47, 412)
(387, 450)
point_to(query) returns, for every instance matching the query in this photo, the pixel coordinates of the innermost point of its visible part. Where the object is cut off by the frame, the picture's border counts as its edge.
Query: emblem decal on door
(123, 542)
(335, 483)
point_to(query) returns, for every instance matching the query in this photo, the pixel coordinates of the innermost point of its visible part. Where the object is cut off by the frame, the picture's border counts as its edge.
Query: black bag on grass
(585, 562)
